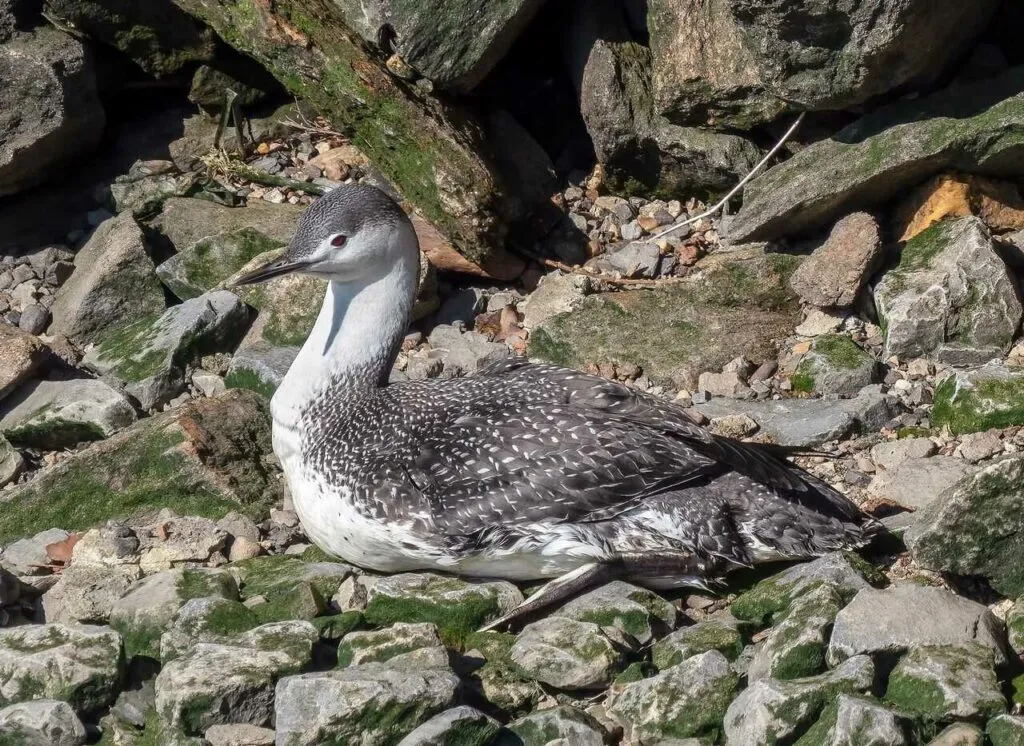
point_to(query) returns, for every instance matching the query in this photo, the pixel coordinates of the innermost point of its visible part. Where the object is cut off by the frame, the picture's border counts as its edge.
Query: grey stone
(882, 155)
(975, 447)
(1015, 626)
(59, 414)
(80, 664)
(567, 654)
(464, 353)
(20, 356)
(239, 526)
(968, 401)
(637, 259)
(944, 682)
(238, 734)
(809, 422)
(113, 544)
(212, 619)
(556, 293)
(114, 284)
(44, 722)
(976, 527)
(563, 723)
(152, 356)
(259, 366)
(906, 615)
(215, 684)
(796, 645)
(134, 705)
(52, 112)
(891, 454)
(86, 593)
(142, 193)
(463, 722)
(917, 482)
(836, 366)
(393, 644)
(185, 222)
(853, 721)
(345, 704)
(960, 734)
(1006, 730)
(34, 318)
(461, 306)
(27, 556)
(950, 295)
(686, 700)
(181, 541)
(770, 710)
(11, 462)
(722, 635)
(640, 613)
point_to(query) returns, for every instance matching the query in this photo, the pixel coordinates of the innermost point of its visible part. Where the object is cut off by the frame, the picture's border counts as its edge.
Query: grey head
(345, 235)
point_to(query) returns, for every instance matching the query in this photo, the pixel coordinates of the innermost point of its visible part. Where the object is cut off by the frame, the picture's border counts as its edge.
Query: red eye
(338, 241)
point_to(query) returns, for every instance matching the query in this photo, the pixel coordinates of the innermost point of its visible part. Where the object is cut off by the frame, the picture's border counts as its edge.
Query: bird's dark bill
(276, 268)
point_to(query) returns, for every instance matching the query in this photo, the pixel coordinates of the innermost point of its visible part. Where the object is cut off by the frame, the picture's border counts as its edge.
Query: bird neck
(354, 341)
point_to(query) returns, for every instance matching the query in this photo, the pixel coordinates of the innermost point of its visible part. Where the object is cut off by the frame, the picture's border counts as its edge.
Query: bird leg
(559, 589)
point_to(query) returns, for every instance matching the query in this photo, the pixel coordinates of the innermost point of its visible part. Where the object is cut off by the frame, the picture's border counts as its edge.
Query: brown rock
(997, 203)
(440, 252)
(835, 273)
(337, 162)
(20, 354)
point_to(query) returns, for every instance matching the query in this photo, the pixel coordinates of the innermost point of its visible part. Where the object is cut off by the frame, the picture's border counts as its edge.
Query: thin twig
(718, 205)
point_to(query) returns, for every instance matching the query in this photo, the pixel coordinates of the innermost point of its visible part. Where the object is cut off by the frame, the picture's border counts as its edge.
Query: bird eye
(338, 240)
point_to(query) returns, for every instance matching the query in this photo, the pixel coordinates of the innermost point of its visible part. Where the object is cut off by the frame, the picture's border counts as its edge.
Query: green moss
(198, 584)
(55, 637)
(139, 640)
(542, 346)
(243, 378)
(919, 696)
(841, 351)
(335, 626)
(913, 432)
(634, 672)
(214, 259)
(799, 661)
(869, 572)
(702, 716)
(1004, 732)
(691, 641)
(818, 734)
(53, 433)
(454, 621)
(803, 379)
(634, 623)
(918, 252)
(193, 713)
(230, 619)
(989, 403)
(1017, 695)
(765, 600)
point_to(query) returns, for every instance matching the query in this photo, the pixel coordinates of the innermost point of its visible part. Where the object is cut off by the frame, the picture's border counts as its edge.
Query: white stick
(718, 205)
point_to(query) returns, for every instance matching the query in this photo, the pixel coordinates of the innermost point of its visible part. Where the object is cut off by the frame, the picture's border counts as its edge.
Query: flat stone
(395, 644)
(976, 527)
(636, 259)
(640, 613)
(20, 355)
(556, 293)
(563, 723)
(238, 734)
(818, 322)
(906, 615)
(58, 414)
(80, 664)
(722, 636)
(152, 355)
(950, 295)
(809, 422)
(27, 556)
(44, 722)
(87, 593)
(114, 284)
(686, 700)
(567, 654)
(891, 454)
(917, 482)
(944, 682)
(463, 722)
(834, 274)
(347, 704)
(975, 447)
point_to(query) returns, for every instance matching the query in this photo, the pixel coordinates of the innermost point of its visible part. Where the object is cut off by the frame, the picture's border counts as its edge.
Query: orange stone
(954, 195)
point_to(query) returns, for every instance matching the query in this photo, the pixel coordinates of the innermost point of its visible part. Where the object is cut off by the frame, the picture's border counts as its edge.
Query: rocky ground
(861, 299)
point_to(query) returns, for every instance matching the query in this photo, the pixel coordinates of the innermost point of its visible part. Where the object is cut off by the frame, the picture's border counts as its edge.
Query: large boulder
(883, 154)
(970, 401)
(739, 63)
(114, 283)
(49, 108)
(950, 296)
(20, 356)
(976, 528)
(206, 458)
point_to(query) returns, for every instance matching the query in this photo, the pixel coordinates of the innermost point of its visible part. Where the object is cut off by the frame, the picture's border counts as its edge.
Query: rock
(462, 725)
(205, 458)
(560, 724)
(464, 353)
(186, 222)
(143, 190)
(567, 654)
(11, 462)
(638, 612)
(883, 154)
(686, 700)
(215, 684)
(153, 354)
(150, 606)
(809, 422)
(729, 384)
(950, 295)
(975, 447)
(636, 259)
(53, 111)
(44, 722)
(461, 307)
(736, 65)
(34, 319)
(711, 634)
(20, 355)
(918, 482)
(372, 702)
(939, 683)
(796, 645)
(959, 734)
(998, 204)
(188, 541)
(968, 401)
(1015, 626)
(976, 527)
(1005, 730)
(79, 664)
(739, 306)
(891, 454)
(87, 593)
(556, 293)
(28, 556)
(907, 615)
(852, 720)
(835, 365)
(289, 587)
(770, 710)
(238, 734)
(114, 283)
(210, 86)
(111, 545)
(835, 272)
(211, 619)
(397, 643)
(772, 597)
(58, 414)
(257, 365)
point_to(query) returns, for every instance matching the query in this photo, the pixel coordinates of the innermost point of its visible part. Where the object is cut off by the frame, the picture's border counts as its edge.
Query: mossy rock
(205, 619)
(291, 588)
(986, 398)
(638, 612)
(212, 260)
(561, 723)
(379, 646)
(711, 634)
(797, 643)
(205, 459)
(1005, 730)
(940, 683)
(739, 305)
(854, 720)
(835, 365)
